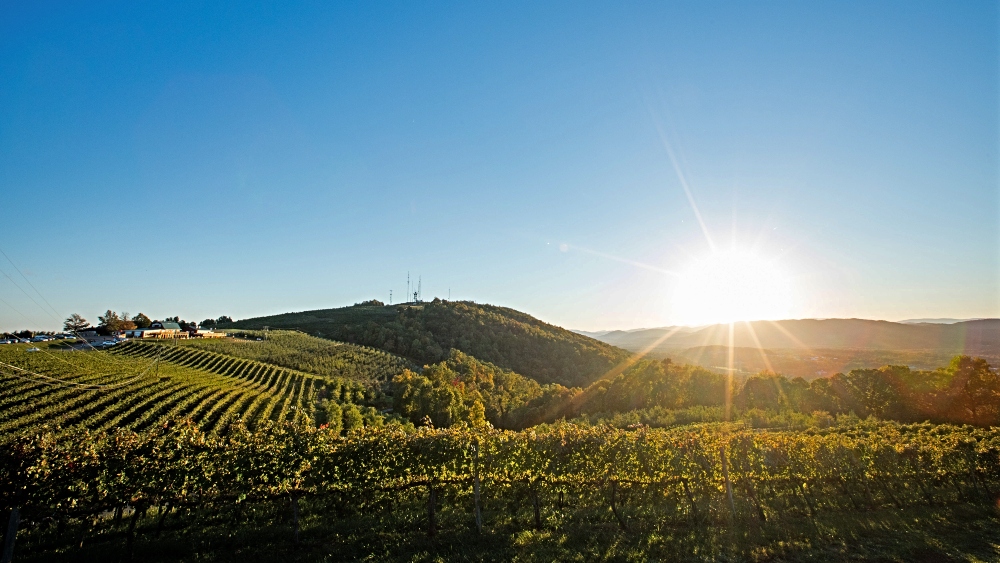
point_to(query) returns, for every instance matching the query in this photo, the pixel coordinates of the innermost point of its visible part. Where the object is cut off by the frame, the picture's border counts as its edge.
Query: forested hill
(426, 332)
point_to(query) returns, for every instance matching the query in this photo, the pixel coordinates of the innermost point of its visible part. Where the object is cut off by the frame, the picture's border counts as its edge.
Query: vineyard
(137, 386)
(426, 334)
(299, 351)
(770, 490)
(203, 450)
(298, 389)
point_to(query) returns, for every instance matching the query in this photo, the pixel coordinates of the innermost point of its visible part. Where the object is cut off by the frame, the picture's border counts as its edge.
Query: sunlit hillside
(426, 332)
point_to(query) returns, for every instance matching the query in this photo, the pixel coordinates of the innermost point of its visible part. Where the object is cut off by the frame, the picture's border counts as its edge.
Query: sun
(729, 286)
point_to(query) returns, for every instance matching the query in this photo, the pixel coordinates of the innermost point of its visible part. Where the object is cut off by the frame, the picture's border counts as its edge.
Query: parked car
(6, 341)
(41, 338)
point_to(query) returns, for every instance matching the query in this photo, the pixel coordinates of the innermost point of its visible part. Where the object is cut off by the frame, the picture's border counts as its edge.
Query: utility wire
(27, 294)
(15, 310)
(29, 282)
(56, 318)
(49, 380)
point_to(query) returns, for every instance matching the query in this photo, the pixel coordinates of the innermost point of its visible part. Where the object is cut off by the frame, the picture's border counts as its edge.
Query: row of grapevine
(695, 474)
(340, 389)
(302, 352)
(136, 388)
(288, 386)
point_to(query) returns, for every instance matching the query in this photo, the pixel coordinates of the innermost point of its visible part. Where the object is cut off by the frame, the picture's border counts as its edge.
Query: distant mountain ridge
(943, 321)
(969, 337)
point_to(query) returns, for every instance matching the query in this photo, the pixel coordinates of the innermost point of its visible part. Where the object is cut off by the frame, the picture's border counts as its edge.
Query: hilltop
(426, 332)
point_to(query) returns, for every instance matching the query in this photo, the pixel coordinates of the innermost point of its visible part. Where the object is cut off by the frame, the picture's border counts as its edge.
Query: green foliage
(650, 383)
(464, 389)
(299, 351)
(596, 479)
(142, 321)
(968, 391)
(333, 417)
(139, 385)
(756, 417)
(352, 419)
(71, 454)
(975, 390)
(811, 364)
(75, 323)
(426, 333)
(113, 322)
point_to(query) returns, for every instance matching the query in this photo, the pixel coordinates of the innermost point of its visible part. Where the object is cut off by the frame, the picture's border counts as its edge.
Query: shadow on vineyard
(919, 534)
(871, 491)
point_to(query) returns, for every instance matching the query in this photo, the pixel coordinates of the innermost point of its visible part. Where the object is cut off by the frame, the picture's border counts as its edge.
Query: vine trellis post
(729, 485)
(8, 538)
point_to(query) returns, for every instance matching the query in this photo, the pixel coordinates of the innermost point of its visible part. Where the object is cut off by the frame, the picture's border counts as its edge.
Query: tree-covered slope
(426, 333)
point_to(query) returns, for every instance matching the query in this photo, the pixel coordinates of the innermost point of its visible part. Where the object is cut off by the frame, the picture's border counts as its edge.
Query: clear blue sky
(178, 159)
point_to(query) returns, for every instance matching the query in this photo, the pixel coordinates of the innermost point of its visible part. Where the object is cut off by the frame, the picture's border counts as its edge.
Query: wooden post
(164, 510)
(729, 485)
(751, 491)
(431, 516)
(534, 502)
(690, 497)
(614, 506)
(131, 530)
(8, 538)
(295, 516)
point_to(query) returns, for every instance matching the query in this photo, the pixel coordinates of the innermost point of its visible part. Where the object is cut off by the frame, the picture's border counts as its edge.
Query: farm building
(167, 329)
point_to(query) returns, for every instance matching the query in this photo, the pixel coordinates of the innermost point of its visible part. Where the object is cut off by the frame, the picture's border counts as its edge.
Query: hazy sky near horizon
(200, 159)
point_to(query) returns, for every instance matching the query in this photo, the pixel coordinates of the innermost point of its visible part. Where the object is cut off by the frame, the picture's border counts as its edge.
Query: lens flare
(729, 286)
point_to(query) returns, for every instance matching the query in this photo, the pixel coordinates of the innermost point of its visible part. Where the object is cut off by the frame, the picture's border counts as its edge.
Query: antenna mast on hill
(407, 285)
(420, 291)
(390, 297)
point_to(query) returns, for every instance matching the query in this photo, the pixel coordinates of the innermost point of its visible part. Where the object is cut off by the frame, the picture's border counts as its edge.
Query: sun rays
(731, 285)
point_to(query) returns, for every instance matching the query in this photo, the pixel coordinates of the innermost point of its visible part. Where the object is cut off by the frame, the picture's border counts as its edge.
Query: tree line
(112, 322)
(464, 389)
